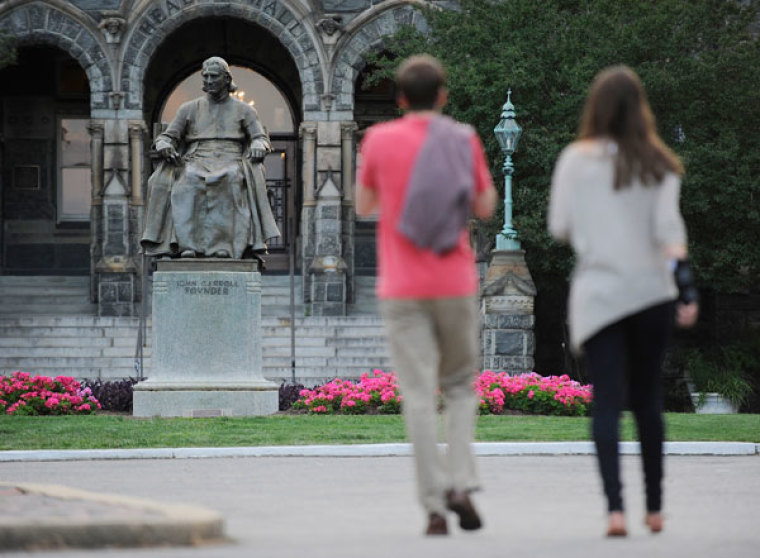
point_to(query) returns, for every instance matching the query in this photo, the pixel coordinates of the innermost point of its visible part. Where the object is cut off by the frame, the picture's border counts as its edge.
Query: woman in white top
(614, 198)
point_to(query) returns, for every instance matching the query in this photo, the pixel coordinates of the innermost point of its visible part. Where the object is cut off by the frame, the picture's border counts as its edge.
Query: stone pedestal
(507, 309)
(206, 342)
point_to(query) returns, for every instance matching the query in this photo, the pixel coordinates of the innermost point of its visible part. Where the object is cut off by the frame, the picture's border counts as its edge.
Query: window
(75, 181)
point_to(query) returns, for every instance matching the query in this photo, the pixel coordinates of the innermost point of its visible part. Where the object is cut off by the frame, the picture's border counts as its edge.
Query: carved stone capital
(97, 129)
(347, 130)
(112, 28)
(308, 131)
(137, 129)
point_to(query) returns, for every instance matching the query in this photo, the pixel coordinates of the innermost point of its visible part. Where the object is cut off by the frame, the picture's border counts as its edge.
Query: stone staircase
(45, 295)
(59, 338)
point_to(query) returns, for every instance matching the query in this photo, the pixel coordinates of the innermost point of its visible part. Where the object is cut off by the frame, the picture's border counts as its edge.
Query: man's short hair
(419, 79)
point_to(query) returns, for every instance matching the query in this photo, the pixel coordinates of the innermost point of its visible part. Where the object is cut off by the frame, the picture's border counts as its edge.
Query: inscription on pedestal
(192, 287)
(206, 325)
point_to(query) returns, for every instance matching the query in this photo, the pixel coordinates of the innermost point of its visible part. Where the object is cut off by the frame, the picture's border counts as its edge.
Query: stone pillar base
(328, 286)
(507, 311)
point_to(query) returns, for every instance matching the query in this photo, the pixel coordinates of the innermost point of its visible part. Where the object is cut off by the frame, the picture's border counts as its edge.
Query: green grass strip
(109, 431)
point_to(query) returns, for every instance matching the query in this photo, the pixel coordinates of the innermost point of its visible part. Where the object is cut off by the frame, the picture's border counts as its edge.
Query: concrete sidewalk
(533, 506)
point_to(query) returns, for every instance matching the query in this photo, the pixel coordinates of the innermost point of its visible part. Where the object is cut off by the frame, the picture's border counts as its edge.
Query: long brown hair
(617, 108)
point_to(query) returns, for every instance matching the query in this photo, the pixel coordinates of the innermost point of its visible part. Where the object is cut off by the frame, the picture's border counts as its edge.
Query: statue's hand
(256, 155)
(170, 154)
(257, 151)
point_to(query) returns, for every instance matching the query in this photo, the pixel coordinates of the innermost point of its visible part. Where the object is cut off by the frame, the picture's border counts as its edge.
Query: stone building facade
(80, 109)
(107, 66)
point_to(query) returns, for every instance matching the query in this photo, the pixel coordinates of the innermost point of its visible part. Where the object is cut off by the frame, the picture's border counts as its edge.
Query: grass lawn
(115, 431)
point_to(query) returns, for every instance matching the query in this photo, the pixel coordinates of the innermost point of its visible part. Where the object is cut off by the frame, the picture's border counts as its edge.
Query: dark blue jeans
(631, 351)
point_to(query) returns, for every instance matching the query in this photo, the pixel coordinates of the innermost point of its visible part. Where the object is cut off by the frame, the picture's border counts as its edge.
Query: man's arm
(367, 200)
(484, 203)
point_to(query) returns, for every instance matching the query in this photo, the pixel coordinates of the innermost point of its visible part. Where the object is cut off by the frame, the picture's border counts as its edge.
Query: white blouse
(618, 237)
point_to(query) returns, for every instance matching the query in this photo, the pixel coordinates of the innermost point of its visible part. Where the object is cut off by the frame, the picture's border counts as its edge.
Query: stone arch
(43, 24)
(159, 19)
(366, 35)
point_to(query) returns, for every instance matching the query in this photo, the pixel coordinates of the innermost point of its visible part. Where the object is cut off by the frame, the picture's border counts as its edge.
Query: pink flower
(51, 402)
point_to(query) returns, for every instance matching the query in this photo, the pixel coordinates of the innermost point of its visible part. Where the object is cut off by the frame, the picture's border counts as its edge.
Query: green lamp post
(507, 134)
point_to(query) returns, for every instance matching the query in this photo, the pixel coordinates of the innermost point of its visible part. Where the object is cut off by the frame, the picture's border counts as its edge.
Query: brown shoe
(459, 502)
(616, 526)
(654, 521)
(437, 525)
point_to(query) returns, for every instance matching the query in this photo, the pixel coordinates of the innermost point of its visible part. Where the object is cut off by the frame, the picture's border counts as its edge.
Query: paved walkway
(533, 505)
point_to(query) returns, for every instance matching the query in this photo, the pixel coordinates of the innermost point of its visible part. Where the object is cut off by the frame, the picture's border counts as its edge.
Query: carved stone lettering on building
(160, 12)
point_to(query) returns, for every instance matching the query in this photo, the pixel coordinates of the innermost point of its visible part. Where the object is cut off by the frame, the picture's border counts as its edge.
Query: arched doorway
(45, 165)
(268, 77)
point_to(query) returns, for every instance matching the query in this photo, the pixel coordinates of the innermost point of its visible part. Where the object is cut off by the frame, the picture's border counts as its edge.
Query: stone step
(284, 341)
(44, 280)
(49, 308)
(64, 362)
(29, 342)
(69, 321)
(336, 362)
(71, 332)
(32, 290)
(16, 353)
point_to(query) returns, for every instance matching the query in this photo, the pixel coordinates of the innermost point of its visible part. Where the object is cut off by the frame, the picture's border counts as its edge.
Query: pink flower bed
(532, 393)
(374, 392)
(377, 392)
(24, 394)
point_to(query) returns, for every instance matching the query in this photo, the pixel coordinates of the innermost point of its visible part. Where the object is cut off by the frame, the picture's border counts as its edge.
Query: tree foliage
(7, 50)
(700, 64)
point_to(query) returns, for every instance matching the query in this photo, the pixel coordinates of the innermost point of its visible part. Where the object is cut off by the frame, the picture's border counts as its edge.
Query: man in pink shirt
(428, 293)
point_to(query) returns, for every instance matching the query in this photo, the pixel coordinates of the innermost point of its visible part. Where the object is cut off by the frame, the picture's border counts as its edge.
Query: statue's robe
(216, 200)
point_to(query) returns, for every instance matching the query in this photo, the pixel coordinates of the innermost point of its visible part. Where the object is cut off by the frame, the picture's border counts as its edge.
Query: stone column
(136, 154)
(97, 132)
(115, 269)
(507, 302)
(328, 165)
(348, 167)
(347, 135)
(308, 133)
(137, 182)
(327, 272)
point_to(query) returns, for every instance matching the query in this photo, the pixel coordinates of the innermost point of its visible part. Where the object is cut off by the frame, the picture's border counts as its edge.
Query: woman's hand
(686, 314)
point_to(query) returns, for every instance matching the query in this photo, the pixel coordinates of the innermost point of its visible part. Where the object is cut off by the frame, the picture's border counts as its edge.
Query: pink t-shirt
(388, 152)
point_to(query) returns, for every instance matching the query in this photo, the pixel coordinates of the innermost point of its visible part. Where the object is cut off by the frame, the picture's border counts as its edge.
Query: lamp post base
(507, 299)
(507, 242)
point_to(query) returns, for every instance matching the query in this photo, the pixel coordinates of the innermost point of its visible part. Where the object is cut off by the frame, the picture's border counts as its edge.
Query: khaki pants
(434, 343)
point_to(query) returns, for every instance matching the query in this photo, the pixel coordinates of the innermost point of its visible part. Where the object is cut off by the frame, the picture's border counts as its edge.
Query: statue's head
(216, 76)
